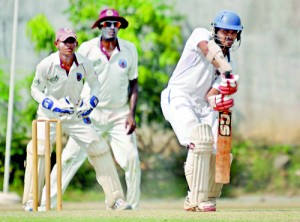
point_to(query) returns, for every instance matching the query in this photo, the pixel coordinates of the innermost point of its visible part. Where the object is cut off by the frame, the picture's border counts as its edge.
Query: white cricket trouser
(184, 114)
(111, 124)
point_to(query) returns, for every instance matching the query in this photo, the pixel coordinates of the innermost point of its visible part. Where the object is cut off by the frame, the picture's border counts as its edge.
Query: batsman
(200, 87)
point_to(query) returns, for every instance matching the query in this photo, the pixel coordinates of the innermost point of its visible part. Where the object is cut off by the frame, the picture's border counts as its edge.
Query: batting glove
(84, 110)
(229, 84)
(62, 107)
(221, 102)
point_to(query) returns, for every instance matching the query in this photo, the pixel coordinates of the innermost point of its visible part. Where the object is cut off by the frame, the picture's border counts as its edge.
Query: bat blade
(223, 148)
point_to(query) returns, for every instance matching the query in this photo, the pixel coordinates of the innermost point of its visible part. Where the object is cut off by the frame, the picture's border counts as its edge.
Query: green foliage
(41, 33)
(4, 94)
(254, 168)
(19, 133)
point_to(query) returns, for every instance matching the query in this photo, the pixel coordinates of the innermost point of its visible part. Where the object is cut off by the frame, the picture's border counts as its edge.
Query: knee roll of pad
(202, 138)
(40, 145)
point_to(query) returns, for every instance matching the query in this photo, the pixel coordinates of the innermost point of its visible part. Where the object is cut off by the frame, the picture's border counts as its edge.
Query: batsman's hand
(221, 102)
(229, 84)
(63, 107)
(85, 109)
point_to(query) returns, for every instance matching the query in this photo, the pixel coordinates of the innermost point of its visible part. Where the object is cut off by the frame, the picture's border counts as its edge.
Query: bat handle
(227, 75)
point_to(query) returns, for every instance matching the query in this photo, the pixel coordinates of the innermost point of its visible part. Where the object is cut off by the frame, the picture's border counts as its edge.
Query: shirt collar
(101, 46)
(77, 59)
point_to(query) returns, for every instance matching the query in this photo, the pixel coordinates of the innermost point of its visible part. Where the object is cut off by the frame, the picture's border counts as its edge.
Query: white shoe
(120, 204)
(42, 208)
(28, 206)
(205, 206)
(187, 205)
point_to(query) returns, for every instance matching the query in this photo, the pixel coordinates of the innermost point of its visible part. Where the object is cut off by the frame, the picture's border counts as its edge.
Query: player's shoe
(42, 208)
(120, 204)
(205, 206)
(28, 206)
(213, 200)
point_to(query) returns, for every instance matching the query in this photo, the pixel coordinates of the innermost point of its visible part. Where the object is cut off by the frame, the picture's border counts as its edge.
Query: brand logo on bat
(225, 124)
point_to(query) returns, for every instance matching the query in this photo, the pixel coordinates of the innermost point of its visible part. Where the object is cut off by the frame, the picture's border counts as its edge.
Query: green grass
(262, 210)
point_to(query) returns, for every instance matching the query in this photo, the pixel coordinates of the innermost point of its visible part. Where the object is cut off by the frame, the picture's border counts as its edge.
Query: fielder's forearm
(133, 96)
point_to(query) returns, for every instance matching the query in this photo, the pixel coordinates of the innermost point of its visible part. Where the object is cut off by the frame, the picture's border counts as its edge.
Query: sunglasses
(70, 40)
(108, 24)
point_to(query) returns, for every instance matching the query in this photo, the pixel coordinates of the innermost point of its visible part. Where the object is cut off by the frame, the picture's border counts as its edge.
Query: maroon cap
(63, 33)
(110, 14)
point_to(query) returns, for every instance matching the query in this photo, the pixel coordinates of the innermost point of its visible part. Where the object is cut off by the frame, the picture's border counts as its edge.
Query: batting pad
(106, 175)
(28, 179)
(198, 163)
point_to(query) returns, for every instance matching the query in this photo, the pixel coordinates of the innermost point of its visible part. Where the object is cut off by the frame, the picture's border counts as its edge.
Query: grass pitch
(241, 209)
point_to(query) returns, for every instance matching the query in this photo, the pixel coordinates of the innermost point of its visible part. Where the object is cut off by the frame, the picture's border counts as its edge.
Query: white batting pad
(107, 177)
(198, 163)
(28, 179)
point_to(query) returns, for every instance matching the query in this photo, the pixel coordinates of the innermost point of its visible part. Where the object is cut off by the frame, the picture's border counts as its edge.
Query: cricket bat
(223, 147)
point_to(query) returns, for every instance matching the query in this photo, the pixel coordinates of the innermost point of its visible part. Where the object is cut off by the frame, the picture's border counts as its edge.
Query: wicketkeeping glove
(221, 102)
(84, 110)
(58, 107)
(229, 85)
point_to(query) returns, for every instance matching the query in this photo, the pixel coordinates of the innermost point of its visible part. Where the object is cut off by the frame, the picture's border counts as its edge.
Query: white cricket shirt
(52, 80)
(114, 73)
(194, 75)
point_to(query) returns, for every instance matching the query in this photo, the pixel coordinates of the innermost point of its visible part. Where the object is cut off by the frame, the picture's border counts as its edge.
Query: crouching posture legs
(197, 169)
(106, 174)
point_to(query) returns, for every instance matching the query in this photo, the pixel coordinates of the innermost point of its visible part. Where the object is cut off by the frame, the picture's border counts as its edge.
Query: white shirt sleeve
(38, 85)
(198, 35)
(133, 72)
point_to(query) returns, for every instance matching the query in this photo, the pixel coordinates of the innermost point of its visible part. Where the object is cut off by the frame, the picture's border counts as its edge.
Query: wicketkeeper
(196, 90)
(57, 87)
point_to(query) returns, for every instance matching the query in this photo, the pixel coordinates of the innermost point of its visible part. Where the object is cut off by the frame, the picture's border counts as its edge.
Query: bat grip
(227, 75)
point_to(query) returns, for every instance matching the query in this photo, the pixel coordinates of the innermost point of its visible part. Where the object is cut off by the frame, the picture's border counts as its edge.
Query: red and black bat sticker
(225, 123)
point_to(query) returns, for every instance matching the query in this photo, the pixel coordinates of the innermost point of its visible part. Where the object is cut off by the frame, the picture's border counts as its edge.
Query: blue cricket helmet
(228, 20)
